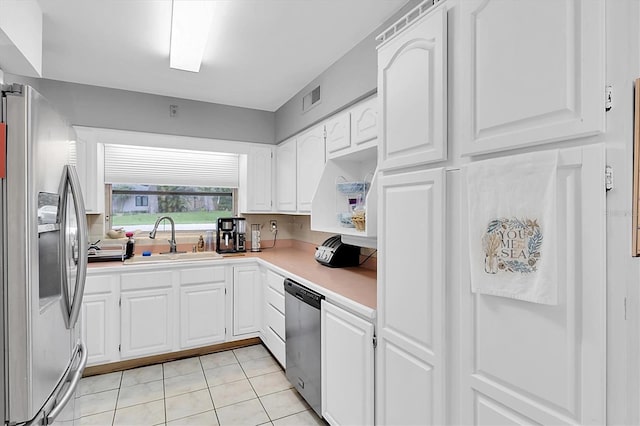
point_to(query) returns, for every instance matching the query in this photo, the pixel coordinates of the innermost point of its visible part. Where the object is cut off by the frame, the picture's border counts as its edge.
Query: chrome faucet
(172, 241)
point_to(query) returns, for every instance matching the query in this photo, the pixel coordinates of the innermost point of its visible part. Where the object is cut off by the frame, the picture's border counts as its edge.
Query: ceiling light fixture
(190, 25)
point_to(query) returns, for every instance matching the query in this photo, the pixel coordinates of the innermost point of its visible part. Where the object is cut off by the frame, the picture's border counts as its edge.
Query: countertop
(295, 260)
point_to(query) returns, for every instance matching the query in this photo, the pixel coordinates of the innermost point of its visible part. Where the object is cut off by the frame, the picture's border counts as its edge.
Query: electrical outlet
(274, 225)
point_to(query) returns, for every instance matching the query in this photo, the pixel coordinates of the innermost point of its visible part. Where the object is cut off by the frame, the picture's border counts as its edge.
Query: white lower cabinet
(101, 319)
(247, 297)
(146, 322)
(273, 327)
(202, 306)
(347, 367)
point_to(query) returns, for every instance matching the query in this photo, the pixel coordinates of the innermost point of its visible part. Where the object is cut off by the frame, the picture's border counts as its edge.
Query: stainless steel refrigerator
(44, 254)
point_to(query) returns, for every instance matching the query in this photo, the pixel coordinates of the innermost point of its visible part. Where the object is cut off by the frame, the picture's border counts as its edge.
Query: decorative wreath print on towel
(512, 246)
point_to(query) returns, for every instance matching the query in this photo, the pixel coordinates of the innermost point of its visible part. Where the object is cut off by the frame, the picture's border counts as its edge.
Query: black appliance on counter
(231, 235)
(335, 254)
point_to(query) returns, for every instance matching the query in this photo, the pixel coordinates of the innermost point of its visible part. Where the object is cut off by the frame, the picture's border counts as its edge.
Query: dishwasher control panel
(303, 293)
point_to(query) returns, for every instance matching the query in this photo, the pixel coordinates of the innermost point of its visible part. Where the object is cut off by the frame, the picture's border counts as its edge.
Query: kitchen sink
(172, 257)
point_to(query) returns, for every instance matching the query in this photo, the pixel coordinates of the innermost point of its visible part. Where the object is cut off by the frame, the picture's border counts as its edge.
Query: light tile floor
(243, 386)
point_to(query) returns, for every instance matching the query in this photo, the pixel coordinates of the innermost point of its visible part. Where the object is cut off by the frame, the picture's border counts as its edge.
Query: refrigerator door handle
(83, 244)
(73, 377)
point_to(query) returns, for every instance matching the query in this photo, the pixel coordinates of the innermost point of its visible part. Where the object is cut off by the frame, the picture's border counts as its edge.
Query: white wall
(21, 37)
(623, 278)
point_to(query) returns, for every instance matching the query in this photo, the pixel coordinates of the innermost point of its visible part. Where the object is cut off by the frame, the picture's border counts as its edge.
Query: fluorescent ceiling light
(190, 24)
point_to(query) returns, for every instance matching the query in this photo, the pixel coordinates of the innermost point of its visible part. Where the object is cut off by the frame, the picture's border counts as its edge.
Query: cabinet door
(410, 357)
(247, 299)
(90, 168)
(202, 314)
(347, 367)
(259, 179)
(100, 319)
(412, 86)
(311, 159)
(338, 133)
(147, 322)
(528, 363)
(536, 73)
(364, 122)
(286, 176)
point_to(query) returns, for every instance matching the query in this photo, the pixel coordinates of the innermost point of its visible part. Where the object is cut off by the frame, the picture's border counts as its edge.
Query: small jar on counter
(200, 245)
(131, 246)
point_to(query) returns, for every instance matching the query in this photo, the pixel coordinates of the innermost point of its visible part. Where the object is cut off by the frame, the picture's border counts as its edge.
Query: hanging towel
(512, 226)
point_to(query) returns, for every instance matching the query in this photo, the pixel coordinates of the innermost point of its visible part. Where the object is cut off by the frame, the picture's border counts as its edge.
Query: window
(142, 201)
(194, 188)
(136, 206)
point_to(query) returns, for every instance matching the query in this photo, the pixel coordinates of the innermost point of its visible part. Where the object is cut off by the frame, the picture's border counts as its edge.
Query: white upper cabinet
(338, 133)
(536, 73)
(364, 122)
(412, 87)
(256, 168)
(90, 168)
(286, 176)
(353, 130)
(310, 164)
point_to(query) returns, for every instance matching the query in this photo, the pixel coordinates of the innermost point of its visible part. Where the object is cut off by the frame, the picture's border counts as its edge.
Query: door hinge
(608, 98)
(119, 348)
(120, 302)
(608, 178)
(625, 308)
(375, 341)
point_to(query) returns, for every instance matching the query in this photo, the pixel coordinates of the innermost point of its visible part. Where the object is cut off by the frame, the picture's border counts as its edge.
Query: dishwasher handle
(302, 293)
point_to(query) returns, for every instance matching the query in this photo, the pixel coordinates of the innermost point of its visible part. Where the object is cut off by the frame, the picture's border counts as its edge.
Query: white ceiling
(259, 54)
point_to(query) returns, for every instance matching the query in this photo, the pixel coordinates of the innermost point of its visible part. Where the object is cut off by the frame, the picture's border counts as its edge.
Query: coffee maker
(231, 235)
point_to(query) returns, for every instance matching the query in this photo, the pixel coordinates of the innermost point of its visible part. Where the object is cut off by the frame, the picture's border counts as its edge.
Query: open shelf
(329, 201)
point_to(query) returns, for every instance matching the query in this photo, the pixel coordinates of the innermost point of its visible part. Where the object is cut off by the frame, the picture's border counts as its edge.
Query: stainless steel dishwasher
(302, 331)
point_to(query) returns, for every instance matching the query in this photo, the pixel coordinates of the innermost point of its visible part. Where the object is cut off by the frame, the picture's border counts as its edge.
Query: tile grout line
(164, 395)
(254, 389)
(115, 409)
(215, 411)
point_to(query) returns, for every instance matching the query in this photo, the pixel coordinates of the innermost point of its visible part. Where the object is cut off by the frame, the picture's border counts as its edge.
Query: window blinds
(164, 166)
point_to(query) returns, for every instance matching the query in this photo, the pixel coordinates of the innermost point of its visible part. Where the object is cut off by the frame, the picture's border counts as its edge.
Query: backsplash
(292, 227)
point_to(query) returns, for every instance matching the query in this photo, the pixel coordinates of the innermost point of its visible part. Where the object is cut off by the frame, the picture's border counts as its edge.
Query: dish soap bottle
(131, 244)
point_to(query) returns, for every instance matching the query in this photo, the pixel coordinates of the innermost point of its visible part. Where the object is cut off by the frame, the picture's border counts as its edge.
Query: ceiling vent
(311, 99)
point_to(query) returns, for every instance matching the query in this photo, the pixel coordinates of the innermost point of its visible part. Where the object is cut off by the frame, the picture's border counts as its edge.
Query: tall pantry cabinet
(410, 370)
(456, 80)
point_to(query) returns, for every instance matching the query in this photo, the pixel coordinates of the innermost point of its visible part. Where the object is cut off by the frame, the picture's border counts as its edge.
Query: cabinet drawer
(276, 345)
(97, 284)
(275, 299)
(202, 275)
(276, 282)
(144, 280)
(275, 321)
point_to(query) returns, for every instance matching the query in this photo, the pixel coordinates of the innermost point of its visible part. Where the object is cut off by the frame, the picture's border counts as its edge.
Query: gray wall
(95, 106)
(349, 79)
